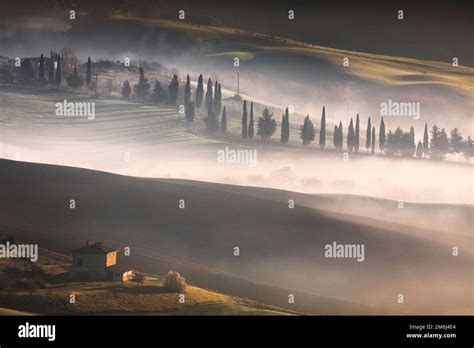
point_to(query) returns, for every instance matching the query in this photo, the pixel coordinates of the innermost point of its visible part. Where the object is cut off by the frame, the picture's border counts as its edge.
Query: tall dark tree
(41, 70)
(419, 150)
(159, 94)
(285, 127)
(266, 124)
(189, 111)
(141, 89)
(244, 121)
(89, 72)
(382, 135)
(426, 143)
(356, 134)
(251, 130)
(58, 77)
(173, 90)
(187, 91)
(51, 69)
(307, 131)
(455, 141)
(209, 97)
(217, 98)
(368, 135)
(74, 80)
(350, 136)
(199, 92)
(282, 130)
(340, 137)
(224, 122)
(126, 90)
(322, 131)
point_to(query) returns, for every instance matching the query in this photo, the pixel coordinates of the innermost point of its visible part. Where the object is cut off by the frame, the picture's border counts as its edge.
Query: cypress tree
(356, 135)
(367, 135)
(58, 77)
(217, 98)
(251, 130)
(322, 132)
(173, 90)
(382, 136)
(126, 90)
(41, 69)
(216, 95)
(89, 71)
(187, 91)
(199, 92)
(209, 97)
(350, 136)
(373, 140)
(224, 122)
(244, 121)
(141, 89)
(285, 127)
(426, 143)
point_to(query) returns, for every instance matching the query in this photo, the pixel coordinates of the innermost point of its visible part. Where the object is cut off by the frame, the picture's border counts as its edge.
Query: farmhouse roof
(95, 248)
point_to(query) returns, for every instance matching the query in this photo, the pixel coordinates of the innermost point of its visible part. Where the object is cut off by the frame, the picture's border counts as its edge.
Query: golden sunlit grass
(151, 297)
(5, 311)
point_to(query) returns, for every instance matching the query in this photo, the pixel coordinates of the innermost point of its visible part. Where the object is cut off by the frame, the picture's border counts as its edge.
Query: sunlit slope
(383, 69)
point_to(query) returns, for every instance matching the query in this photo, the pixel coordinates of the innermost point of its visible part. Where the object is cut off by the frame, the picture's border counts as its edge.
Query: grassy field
(125, 298)
(25, 292)
(282, 249)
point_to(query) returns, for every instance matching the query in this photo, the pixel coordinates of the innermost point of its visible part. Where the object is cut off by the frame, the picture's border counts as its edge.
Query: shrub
(175, 282)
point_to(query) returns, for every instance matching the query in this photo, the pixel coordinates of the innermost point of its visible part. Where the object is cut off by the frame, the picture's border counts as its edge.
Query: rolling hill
(278, 246)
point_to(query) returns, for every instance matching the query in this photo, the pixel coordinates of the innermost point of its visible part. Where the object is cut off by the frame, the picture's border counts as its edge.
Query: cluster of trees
(394, 143)
(266, 124)
(50, 72)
